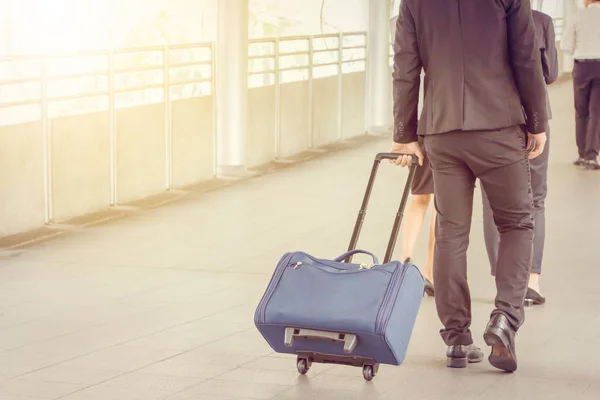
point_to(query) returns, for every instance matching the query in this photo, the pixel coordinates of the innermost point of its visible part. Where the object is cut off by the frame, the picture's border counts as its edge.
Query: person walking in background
(485, 96)
(539, 172)
(581, 39)
(414, 216)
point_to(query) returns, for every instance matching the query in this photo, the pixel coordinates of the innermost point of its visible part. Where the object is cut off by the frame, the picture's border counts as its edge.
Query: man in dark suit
(544, 29)
(485, 103)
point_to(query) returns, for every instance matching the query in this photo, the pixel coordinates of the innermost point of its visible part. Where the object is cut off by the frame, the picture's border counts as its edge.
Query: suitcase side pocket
(390, 297)
(259, 317)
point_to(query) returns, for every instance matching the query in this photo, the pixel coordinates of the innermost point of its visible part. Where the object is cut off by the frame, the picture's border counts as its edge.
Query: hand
(410, 149)
(539, 142)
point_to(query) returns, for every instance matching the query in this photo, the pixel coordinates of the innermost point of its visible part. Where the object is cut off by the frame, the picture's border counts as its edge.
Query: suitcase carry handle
(394, 156)
(349, 340)
(357, 251)
(361, 214)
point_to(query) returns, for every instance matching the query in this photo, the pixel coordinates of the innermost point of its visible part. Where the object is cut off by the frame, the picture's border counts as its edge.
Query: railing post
(168, 118)
(311, 55)
(340, 84)
(46, 142)
(277, 101)
(215, 102)
(112, 126)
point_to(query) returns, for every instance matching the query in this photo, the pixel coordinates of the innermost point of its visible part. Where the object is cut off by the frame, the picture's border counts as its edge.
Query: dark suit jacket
(544, 32)
(482, 67)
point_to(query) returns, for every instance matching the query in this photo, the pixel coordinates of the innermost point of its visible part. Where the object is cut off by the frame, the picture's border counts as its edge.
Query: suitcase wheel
(368, 373)
(303, 365)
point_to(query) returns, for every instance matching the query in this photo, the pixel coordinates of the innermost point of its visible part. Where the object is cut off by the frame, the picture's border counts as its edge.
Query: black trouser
(499, 160)
(586, 86)
(539, 187)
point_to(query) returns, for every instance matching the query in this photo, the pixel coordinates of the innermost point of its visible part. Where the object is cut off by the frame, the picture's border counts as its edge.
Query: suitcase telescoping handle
(365, 203)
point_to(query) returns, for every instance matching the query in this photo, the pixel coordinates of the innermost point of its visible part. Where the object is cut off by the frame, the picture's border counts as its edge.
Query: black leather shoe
(501, 337)
(460, 356)
(533, 298)
(579, 162)
(592, 165)
(429, 288)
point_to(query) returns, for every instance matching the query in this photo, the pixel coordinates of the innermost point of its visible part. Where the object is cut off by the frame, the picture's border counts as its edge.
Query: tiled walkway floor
(160, 305)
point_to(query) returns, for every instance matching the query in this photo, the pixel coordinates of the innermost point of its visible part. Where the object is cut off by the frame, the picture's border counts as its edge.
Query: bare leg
(430, 250)
(413, 220)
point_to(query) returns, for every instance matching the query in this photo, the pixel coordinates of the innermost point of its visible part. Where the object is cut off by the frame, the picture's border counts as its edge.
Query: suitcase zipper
(391, 294)
(324, 267)
(262, 307)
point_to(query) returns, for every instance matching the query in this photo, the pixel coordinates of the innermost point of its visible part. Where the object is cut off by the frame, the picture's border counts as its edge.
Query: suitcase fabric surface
(336, 311)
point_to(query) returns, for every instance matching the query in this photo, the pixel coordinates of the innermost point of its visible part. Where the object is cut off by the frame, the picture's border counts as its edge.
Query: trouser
(499, 160)
(539, 188)
(586, 86)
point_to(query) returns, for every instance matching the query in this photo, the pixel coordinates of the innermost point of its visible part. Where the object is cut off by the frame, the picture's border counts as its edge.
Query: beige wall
(295, 117)
(353, 104)
(80, 147)
(80, 164)
(260, 143)
(141, 152)
(193, 140)
(325, 111)
(21, 178)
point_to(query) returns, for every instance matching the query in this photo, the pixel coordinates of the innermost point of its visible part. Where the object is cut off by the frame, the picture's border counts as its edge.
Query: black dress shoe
(579, 162)
(429, 288)
(501, 337)
(460, 356)
(592, 165)
(533, 298)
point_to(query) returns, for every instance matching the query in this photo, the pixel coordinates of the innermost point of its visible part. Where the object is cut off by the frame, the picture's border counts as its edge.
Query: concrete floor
(160, 305)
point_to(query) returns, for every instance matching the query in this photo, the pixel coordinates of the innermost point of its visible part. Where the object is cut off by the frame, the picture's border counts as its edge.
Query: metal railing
(276, 61)
(39, 89)
(100, 81)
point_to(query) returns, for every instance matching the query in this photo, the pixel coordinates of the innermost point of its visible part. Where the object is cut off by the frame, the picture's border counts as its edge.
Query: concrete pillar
(6, 23)
(232, 87)
(378, 70)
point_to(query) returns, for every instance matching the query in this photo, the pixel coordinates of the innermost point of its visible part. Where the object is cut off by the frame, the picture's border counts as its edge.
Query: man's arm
(550, 56)
(567, 43)
(527, 64)
(406, 78)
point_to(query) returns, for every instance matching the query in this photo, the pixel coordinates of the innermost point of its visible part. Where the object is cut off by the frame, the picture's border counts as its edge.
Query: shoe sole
(501, 356)
(531, 303)
(452, 362)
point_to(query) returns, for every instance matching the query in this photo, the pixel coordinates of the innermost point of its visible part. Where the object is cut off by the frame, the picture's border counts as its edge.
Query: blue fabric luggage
(336, 311)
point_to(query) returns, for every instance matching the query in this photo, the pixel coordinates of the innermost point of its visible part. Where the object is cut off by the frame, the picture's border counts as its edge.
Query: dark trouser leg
(490, 233)
(454, 186)
(498, 159)
(504, 172)
(581, 89)
(593, 133)
(539, 187)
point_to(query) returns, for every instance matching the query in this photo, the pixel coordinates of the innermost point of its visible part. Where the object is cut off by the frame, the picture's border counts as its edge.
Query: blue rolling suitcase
(339, 312)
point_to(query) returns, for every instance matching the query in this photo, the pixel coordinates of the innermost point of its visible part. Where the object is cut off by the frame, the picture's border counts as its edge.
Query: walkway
(160, 305)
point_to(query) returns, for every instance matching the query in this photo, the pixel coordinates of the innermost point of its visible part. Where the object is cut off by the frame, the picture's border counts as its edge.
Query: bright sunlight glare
(56, 26)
